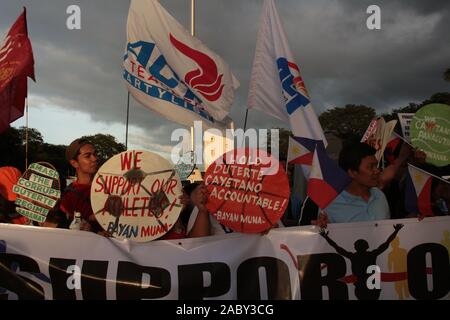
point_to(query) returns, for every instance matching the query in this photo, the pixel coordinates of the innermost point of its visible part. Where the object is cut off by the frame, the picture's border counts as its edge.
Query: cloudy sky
(79, 88)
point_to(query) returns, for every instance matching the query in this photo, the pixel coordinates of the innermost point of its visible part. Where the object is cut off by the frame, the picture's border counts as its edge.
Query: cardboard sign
(135, 196)
(241, 195)
(37, 191)
(405, 122)
(430, 132)
(370, 131)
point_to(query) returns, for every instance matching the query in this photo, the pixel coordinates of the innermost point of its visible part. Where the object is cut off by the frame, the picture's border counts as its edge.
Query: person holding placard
(82, 156)
(194, 220)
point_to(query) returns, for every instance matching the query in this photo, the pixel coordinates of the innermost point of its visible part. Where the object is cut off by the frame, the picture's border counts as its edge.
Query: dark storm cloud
(341, 60)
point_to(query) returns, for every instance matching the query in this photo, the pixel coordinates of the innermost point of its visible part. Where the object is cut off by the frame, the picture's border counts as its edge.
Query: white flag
(170, 72)
(378, 135)
(276, 86)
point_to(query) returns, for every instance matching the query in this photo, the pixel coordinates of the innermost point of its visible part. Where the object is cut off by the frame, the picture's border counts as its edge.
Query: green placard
(44, 170)
(30, 214)
(39, 188)
(41, 180)
(46, 201)
(32, 207)
(430, 132)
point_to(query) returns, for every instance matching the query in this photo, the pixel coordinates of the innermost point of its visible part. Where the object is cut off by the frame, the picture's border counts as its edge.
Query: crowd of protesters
(373, 194)
(82, 156)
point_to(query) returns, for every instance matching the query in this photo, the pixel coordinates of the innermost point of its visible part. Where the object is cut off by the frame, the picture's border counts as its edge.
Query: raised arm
(338, 249)
(385, 245)
(391, 170)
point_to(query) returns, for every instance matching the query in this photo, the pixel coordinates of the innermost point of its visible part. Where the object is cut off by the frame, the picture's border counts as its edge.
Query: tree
(411, 108)
(12, 151)
(12, 144)
(349, 122)
(34, 136)
(55, 155)
(439, 97)
(447, 75)
(106, 146)
(35, 142)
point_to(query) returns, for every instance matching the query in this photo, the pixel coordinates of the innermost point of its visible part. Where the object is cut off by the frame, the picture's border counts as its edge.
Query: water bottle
(76, 222)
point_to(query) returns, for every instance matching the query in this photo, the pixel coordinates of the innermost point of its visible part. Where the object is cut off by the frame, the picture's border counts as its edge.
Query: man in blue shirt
(362, 200)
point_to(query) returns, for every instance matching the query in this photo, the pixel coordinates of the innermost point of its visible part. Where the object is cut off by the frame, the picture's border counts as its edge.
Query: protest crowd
(371, 194)
(382, 175)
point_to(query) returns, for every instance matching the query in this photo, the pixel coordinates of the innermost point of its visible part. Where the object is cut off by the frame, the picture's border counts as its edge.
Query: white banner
(287, 263)
(405, 121)
(172, 73)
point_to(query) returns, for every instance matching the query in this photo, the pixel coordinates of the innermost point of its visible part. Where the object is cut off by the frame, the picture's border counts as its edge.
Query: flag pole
(245, 121)
(428, 173)
(26, 133)
(245, 127)
(402, 138)
(193, 18)
(287, 155)
(128, 114)
(192, 34)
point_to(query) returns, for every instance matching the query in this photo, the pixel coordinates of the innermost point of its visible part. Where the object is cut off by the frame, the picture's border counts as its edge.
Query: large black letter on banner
(93, 279)
(311, 279)
(10, 280)
(191, 281)
(129, 282)
(277, 277)
(417, 271)
(58, 274)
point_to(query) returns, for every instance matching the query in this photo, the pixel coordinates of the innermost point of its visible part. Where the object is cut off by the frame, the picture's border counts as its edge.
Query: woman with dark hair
(194, 201)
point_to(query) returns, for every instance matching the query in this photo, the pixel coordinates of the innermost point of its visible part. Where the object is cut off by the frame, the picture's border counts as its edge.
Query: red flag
(16, 64)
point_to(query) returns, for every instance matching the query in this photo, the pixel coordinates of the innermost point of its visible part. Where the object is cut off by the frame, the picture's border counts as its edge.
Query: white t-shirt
(215, 227)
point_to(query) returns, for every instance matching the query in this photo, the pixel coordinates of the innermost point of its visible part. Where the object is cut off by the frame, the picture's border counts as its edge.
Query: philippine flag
(301, 150)
(418, 192)
(326, 180)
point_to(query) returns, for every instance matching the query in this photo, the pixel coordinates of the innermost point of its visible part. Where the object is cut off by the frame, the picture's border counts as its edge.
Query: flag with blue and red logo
(276, 86)
(418, 192)
(172, 73)
(326, 180)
